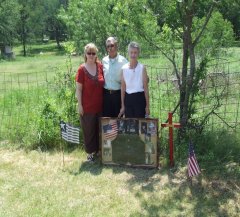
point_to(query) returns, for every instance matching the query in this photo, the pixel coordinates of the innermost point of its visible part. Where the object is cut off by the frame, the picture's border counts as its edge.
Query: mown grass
(37, 184)
(41, 58)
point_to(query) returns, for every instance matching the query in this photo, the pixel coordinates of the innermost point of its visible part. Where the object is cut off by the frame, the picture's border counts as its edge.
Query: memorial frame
(117, 137)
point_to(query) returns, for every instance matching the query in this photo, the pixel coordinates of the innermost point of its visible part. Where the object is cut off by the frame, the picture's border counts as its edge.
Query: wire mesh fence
(27, 99)
(20, 97)
(217, 102)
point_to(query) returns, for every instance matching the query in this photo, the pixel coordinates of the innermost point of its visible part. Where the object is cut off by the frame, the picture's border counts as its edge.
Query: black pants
(111, 103)
(135, 104)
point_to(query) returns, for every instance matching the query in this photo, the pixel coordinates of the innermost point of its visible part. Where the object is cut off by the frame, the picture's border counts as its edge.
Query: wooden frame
(129, 141)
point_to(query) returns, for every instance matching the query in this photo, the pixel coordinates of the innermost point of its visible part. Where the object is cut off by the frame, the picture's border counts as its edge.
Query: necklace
(133, 68)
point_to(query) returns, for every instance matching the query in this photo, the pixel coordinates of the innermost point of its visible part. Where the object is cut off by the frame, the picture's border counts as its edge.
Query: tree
(31, 22)
(202, 33)
(9, 14)
(230, 11)
(54, 25)
(94, 21)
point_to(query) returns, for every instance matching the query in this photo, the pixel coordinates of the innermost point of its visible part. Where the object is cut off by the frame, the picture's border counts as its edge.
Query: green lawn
(44, 58)
(47, 57)
(37, 184)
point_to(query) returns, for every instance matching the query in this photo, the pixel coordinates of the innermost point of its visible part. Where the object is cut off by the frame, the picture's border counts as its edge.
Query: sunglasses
(89, 53)
(110, 45)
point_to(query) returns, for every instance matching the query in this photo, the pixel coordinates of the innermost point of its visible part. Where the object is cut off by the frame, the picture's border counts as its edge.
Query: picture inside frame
(132, 142)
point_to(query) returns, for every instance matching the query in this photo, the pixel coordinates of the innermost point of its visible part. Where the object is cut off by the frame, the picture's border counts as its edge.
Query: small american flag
(69, 133)
(110, 130)
(193, 168)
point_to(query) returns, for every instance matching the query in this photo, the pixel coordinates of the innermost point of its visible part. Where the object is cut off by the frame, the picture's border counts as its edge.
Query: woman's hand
(147, 111)
(80, 110)
(122, 110)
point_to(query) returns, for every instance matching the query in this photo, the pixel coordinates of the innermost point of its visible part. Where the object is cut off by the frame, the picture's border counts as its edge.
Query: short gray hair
(114, 39)
(134, 44)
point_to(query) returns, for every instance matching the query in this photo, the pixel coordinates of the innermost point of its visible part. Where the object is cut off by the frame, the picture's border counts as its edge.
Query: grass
(43, 58)
(36, 184)
(23, 80)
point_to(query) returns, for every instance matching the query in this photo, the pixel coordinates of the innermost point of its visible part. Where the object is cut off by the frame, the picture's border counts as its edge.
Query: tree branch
(204, 25)
(172, 60)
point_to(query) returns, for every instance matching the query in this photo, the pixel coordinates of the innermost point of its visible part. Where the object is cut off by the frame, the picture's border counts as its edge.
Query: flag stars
(63, 126)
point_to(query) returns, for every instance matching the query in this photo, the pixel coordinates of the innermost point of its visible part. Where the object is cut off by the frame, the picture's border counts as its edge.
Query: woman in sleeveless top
(134, 86)
(89, 91)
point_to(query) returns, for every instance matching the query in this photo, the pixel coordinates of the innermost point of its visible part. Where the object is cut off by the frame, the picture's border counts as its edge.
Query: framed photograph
(129, 141)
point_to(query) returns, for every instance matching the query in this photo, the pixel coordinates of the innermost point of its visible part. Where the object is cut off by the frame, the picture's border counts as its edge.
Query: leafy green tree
(218, 34)
(230, 9)
(55, 27)
(202, 32)
(9, 14)
(94, 21)
(31, 22)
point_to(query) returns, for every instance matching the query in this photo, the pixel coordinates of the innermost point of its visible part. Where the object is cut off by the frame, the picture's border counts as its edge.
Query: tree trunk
(2, 49)
(57, 37)
(24, 47)
(183, 116)
(183, 89)
(24, 42)
(23, 31)
(187, 78)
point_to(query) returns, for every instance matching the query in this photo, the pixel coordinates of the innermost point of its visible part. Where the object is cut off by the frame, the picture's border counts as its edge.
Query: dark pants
(135, 104)
(111, 103)
(90, 126)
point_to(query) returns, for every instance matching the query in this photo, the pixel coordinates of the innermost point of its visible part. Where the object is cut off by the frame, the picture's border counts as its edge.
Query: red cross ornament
(171, 125)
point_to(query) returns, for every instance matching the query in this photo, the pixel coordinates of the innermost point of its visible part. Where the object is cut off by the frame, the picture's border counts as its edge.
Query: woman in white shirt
(134, 86)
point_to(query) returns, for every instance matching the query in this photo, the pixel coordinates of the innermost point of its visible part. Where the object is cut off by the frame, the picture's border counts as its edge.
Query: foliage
(230, 11)
(9, 14)
(53, 25)
(61, 106)
(218, 34)
(202, 33)
(44, 93)
(108, 18)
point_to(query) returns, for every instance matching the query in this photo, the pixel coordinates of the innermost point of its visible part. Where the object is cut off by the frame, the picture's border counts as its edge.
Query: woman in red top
(89, 91)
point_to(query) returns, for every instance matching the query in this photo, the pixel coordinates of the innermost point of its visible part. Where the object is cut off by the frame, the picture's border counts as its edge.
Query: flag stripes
(69, 133)
(111, 130)
(193, 168)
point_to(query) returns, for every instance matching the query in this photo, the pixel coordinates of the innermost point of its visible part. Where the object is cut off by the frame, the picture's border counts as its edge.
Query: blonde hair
(90, 47)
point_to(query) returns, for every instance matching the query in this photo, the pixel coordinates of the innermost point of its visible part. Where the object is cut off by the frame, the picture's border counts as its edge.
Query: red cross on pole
(171, 125)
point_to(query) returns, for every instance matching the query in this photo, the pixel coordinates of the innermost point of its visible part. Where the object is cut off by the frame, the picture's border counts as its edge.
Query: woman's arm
(123, 90)
(79, 97)
(146, 92)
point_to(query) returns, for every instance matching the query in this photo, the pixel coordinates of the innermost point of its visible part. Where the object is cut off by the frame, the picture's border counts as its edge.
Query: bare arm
(79, 97)
(123, 90)
(146, 92)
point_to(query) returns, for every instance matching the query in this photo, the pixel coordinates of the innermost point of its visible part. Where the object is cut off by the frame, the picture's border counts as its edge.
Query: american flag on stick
(69, 133)
(110, 130)
(193, 168)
